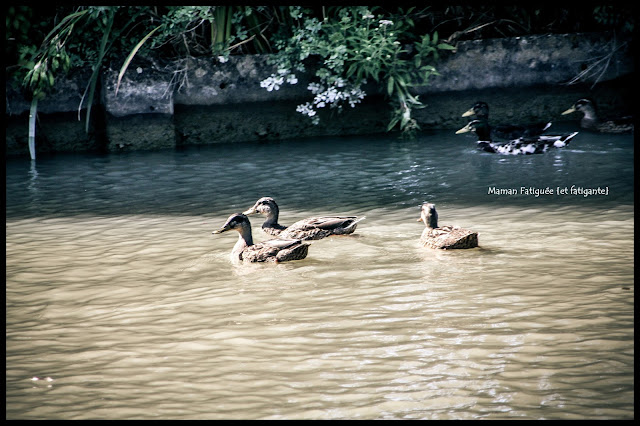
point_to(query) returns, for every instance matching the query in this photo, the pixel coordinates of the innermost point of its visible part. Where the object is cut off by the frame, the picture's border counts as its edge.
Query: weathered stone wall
(528, 61)
(203, 101)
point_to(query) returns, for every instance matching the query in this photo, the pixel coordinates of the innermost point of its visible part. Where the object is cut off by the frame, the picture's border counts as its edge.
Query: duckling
(506, 131)
(444, 237)
(276, 250)
(590, 120)
(523, 145)
(313, 228)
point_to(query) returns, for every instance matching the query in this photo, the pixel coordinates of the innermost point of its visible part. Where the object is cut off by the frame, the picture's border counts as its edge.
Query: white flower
(291, 79)
(222, 59)
(406, 114)
(385, 22)
(306, 109)
(314, 88)
(334, 94)
(272, 83)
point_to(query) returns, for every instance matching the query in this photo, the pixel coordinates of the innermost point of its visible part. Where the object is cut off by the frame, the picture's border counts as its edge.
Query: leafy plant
(353, 45)
(617, 16)
(346, 45)
(44, 62)
(64, 44)
(211, 30)
(42, 66)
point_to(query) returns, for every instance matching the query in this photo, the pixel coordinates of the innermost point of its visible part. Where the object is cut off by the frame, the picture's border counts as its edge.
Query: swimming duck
(590, 120)
(277, 250)
(444, 237)
(523, 145)
(313, 228)
(506, 131)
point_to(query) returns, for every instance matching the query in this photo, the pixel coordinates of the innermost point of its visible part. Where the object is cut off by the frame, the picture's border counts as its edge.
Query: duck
(590, 120)
(444, 237)
(522, 145)
(506, 131)
(312, 228)
(275, 250)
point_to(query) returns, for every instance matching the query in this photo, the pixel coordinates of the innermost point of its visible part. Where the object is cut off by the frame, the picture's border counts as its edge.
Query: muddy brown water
(121, 304)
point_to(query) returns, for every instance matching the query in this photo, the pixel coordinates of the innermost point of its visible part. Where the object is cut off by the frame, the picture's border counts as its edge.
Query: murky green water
(118, 293)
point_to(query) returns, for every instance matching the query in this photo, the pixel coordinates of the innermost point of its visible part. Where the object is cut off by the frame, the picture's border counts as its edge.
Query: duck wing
(288, 249)
(557, 141)
(316, 228)
(512, 131)
(619, 125)
(296, 251)
(527, 145)
(274, 230)
(331, 222)
(280, 243)
(276, 250)
(259, 253)
(449, 237)
(508, 131)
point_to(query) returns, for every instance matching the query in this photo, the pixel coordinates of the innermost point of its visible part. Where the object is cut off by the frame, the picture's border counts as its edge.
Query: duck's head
(480, 127)
(265, 206)
(584, 105)
(479, 109)
(236, 222)
(429, 215)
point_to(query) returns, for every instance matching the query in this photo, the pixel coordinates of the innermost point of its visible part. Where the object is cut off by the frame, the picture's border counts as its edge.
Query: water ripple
(118, 292)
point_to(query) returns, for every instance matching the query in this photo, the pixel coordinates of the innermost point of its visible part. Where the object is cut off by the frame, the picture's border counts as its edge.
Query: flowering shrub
(354, 46)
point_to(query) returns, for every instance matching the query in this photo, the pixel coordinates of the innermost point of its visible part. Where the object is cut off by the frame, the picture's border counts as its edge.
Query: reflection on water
(124, 306)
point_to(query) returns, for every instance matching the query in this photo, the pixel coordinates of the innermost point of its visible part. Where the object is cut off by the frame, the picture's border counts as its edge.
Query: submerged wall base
(523, 80)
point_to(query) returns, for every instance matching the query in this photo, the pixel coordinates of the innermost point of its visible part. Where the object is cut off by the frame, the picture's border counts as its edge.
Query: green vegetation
(345, 46)
(350, 46)
(89, 36)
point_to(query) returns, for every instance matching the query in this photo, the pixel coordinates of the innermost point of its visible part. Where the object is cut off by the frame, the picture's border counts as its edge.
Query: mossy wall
(202, 101)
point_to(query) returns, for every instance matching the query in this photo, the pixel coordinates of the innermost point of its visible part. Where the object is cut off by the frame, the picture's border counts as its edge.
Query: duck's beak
(469, 113)
(569, 111)
(250, 211)
(420, 220)
(465, 129)
(221, 230)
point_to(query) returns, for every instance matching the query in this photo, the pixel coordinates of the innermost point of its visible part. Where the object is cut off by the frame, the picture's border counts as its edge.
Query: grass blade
(97, 67)
(32, 128)
(132, 54)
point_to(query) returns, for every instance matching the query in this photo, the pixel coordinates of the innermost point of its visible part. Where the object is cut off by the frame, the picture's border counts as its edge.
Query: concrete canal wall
(203, 101)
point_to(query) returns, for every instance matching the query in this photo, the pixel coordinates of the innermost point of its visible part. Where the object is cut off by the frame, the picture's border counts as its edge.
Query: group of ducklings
(290, 245)
(520, 139)
(529, 139)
